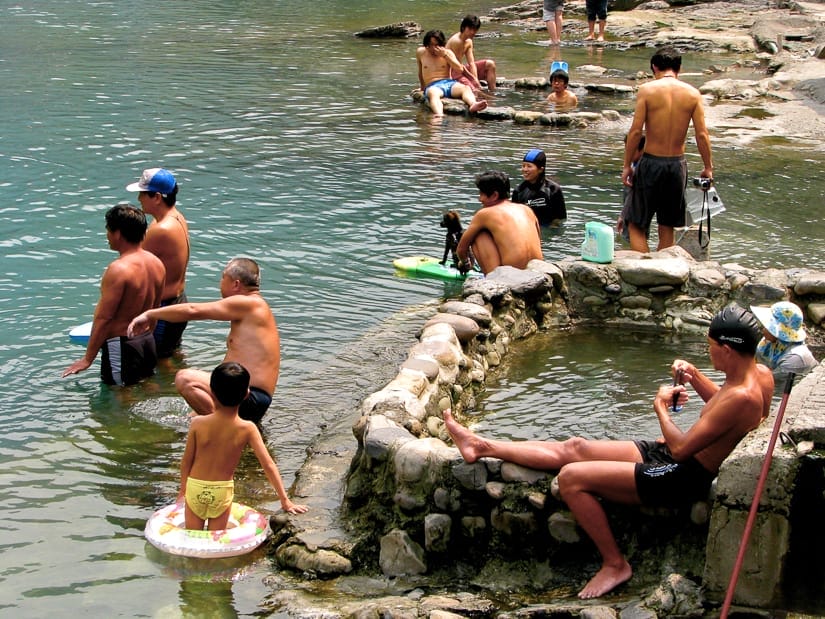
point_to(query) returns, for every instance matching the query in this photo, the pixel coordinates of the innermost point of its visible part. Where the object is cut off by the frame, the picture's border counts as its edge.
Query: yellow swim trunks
(209, 499)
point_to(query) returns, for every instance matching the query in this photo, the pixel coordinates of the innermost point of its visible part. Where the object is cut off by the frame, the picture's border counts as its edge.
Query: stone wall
(412, 505)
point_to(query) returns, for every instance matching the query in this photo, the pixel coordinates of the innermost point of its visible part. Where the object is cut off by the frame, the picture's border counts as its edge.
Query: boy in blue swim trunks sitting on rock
(214, 447)
(434, 64)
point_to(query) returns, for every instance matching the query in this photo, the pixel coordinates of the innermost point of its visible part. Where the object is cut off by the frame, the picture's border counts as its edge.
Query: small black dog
(452, 221)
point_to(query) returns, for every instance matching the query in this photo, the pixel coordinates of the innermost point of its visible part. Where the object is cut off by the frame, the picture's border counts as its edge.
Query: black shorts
(169, 334)
(255, 405)
(127, 360)
(661, 481)
(596, 8)
(658, 189)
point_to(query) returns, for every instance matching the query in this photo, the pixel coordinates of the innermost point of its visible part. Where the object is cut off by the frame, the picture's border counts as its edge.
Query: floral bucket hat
(783, 320)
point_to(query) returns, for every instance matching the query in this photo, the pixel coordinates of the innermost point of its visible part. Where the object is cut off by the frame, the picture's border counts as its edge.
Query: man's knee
(574, 448)
(568, 480)
(184, 379)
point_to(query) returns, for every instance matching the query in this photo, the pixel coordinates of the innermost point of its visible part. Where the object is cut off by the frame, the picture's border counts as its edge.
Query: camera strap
(705, 206)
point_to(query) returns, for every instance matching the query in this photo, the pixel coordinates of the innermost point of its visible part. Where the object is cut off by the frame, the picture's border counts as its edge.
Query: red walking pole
(760, 484)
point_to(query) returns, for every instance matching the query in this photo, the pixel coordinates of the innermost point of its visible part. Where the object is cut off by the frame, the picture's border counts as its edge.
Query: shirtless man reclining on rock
(677, 468)
(434, 63)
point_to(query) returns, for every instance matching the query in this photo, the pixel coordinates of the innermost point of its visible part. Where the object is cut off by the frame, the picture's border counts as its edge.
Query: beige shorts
(209, 499)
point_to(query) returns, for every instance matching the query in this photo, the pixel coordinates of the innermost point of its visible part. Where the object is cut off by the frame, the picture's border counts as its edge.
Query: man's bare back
(134, 281)
(168, 238)
(514, 229)
(502, 232)
(670, 105)
(664, 111)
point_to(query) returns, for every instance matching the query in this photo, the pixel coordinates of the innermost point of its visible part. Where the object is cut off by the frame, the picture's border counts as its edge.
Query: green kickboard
(428, 266)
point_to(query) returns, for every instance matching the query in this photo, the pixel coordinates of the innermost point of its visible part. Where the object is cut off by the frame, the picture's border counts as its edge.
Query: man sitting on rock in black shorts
(675, 469)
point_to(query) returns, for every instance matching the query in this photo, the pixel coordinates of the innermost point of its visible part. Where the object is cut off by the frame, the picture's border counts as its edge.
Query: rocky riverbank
(418, 524)
(783, 42)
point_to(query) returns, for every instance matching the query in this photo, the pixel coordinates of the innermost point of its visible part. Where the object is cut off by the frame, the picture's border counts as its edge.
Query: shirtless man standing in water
(131, 284)
(677, 468)
(665, 108)
(434, 63)
(167, 238)
(501, 232)
(253, 339)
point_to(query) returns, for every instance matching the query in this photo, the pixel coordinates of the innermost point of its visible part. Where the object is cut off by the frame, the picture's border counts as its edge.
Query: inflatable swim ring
(165, 531)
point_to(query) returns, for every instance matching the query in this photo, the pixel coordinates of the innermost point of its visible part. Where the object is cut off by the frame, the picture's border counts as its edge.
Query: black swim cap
(737, 328)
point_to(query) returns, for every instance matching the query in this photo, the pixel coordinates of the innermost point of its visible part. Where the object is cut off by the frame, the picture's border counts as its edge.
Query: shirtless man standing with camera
(665, 108)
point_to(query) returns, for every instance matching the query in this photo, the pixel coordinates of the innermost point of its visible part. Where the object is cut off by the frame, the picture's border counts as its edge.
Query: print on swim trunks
(659, 471)
(206, 497)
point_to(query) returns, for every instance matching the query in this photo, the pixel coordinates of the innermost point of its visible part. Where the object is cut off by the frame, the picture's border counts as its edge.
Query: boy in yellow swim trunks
(213, 449)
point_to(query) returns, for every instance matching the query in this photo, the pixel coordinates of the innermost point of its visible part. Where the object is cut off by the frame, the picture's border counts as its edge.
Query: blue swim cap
(537, 157)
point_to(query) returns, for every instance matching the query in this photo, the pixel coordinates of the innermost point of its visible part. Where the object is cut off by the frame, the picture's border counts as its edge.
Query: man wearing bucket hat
(783, 346)
(167, 238)
(538, 192)
(674, 470)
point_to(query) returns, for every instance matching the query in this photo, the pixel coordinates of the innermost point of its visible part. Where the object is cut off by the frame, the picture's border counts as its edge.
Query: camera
(704, 183)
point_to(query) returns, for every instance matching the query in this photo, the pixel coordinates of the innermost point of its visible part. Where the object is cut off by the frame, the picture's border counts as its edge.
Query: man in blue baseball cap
(167, 238)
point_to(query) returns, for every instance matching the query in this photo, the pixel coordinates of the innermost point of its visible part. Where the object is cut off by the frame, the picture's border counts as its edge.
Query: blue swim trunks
(446, 86)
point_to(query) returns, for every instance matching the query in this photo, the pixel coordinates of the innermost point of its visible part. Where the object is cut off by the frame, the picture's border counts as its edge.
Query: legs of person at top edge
(638, 237)
(588, 469)
(193, 385)
(554, 28)
(591, 30)
(486, 252)
(667, 237)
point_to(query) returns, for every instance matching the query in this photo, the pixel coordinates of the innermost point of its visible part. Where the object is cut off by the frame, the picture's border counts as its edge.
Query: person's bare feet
(605, 580)
(600, 39)
(468, 443)
(589, 37)
(478, 106)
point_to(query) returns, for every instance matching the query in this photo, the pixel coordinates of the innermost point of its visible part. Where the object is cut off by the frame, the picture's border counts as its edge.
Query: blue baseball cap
(156, 180)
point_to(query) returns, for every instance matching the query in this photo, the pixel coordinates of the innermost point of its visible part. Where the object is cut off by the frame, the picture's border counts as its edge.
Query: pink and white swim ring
(166, 531)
